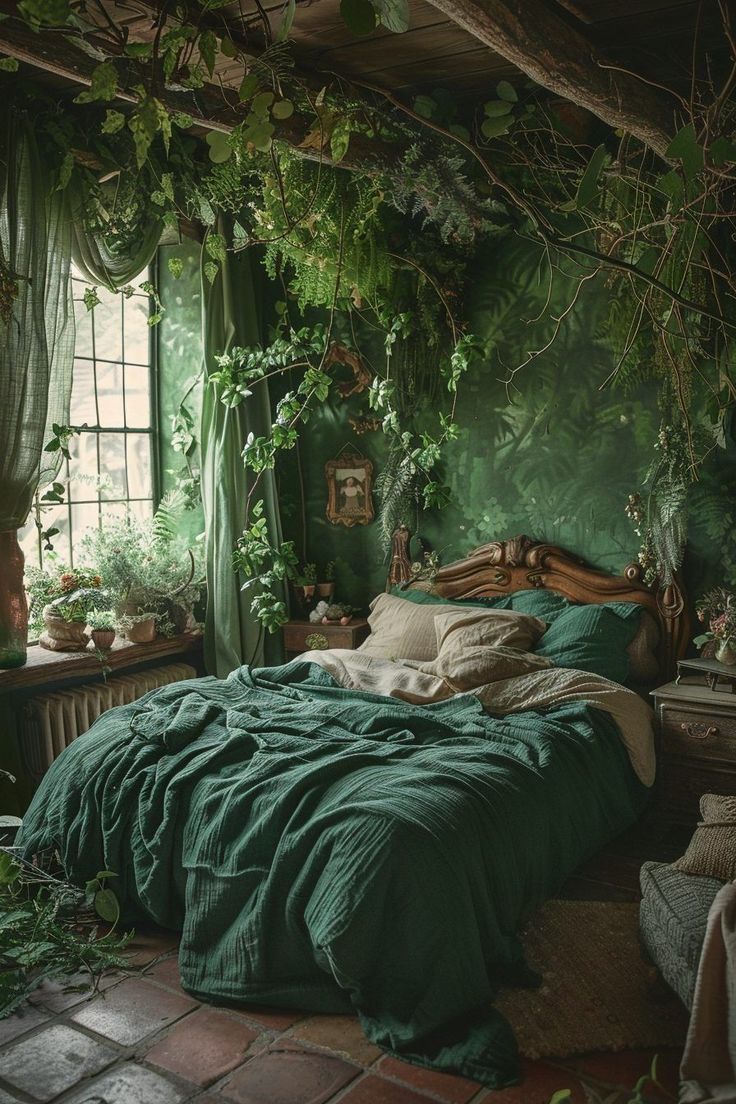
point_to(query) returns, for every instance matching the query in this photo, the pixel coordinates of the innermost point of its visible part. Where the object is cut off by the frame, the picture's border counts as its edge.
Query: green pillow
(593, 638)
(544, 604)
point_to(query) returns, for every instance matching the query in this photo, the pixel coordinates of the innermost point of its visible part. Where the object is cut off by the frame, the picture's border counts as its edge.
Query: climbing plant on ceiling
(651, 217)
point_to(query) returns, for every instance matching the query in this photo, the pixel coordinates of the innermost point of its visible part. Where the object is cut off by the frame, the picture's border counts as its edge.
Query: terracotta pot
(725, 653)
(143, 632)
(13, 605)
(62, 636)
(103, 638)
(325, 590)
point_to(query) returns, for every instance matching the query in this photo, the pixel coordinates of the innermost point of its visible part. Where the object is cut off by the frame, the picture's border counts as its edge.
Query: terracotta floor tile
(166, 972)
(274, 1019)
(52, 1061)
(445, 1086)
(538, 1084)
(289, 1077)
(22, 1020)
(342, 1034)
(375, 1090)
(150, 943)
(203, 1047)
(132, 1010)
(129, 1084)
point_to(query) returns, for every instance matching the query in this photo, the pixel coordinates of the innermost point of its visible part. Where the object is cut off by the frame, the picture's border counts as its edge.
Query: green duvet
(337, 851)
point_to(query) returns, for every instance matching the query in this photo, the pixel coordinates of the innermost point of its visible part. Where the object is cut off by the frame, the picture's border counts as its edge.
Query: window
(112, 466)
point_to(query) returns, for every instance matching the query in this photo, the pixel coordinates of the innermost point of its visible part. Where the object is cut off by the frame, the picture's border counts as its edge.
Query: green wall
(549, 454)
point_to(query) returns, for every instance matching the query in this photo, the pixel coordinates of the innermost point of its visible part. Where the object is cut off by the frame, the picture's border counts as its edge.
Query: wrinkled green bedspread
(338, 851)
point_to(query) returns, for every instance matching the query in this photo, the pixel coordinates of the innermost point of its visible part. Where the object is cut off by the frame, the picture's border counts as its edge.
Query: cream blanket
(529, 688)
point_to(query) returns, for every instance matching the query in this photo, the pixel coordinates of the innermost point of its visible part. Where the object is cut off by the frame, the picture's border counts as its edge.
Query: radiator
(51, 722)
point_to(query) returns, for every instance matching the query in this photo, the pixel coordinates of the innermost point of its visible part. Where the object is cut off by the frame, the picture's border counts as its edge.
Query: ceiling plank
(550, 50)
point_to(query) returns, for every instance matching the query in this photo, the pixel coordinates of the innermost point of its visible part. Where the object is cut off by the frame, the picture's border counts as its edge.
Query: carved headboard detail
(521, 563)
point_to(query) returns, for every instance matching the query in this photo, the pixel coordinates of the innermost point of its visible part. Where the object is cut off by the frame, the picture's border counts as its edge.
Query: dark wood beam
(550, 50)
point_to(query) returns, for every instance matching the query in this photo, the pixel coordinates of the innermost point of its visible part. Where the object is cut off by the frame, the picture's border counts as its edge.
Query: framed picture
(349, 490)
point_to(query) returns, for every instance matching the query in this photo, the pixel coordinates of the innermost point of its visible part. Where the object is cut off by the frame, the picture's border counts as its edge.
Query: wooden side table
(697, 746)
(336, 635)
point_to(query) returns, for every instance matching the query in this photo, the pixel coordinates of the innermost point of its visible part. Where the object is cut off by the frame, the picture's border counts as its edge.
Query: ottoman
(672, 919)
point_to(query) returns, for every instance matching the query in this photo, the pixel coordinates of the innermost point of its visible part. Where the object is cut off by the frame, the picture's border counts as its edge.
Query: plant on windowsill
(139, 628)
(102, 626)
(65, 618)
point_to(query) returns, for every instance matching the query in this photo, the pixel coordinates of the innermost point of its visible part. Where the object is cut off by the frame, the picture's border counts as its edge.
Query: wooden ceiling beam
(559, 57)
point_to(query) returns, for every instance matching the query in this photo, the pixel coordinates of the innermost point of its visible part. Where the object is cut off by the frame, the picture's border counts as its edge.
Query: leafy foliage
(49, 929)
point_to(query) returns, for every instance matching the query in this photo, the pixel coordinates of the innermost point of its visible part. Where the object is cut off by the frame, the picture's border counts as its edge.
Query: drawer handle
(699, 731)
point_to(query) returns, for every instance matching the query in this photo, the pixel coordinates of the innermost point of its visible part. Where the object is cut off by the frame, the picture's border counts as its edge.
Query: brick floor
(142, 1040)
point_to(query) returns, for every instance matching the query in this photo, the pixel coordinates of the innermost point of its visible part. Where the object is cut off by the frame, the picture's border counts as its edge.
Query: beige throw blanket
(708, 1069)
(521, 688)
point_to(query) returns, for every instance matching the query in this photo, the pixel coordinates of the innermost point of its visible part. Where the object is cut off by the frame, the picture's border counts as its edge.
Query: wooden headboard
(521, 563)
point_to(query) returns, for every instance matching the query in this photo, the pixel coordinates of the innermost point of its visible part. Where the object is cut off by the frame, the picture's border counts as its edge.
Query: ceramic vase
(725, 653)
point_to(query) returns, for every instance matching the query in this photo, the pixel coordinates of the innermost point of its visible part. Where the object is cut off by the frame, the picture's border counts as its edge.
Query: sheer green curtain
(232, 315)
(112, 262)
(37, 347)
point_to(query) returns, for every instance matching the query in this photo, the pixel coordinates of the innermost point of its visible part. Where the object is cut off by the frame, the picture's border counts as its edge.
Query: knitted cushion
(672, 919)
(712, 850)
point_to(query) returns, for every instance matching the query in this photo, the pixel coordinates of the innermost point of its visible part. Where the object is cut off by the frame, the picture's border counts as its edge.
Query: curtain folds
(37, 347)
(232, 311)
(103, 262)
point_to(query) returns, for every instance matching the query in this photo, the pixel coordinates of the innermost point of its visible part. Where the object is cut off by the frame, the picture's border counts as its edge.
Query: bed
(357, 832)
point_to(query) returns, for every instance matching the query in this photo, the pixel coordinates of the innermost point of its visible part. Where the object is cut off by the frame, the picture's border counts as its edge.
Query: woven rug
(597, 993)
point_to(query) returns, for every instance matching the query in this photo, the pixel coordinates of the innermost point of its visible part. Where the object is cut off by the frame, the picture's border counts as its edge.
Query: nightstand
(697, 746)
(336, 635)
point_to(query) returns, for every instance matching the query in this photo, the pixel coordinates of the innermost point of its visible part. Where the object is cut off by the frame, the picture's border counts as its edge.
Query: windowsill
(44, 666)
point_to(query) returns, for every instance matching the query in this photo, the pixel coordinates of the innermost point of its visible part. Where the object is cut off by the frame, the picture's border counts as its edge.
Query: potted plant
(139, 628)
(326, 588)
(718, 609)
(338, 612)
(65, 618)
(304, 584)
(102, 625)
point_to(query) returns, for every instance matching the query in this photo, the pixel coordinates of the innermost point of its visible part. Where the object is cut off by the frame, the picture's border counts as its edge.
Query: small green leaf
(139, 49)
(220, 148)
(497, 107)
(65, 171)
(283, 109)
(113, 122)
(393, 14)
(106, 905)
(722, 152)
(103, 84)
(249, 86)
(340, 140)
(684, 146)
(228, 48)
(9, 869)
(359, 16)
(492, 128)
(8, 65)
(425, 106)
(210, 270)
(262, 102)
(182, 120)
(175, 266)
(289, 11)
(588, 186)
(208, 49)
(90, 298)
(506, 91)
(560, 1095)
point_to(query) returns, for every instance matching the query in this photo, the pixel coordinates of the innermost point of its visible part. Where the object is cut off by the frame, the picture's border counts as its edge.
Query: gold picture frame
(349, 490)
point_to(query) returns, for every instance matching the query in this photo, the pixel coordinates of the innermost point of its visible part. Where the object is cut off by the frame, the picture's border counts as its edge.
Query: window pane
(108, 323)
(137, 396)
(114, 511)
(137, 330)
(110, 393)
(142, 510)
(112, 463)
(83, 468)
(139, 465)
(83, 407)
(83, 339)
(84, 518)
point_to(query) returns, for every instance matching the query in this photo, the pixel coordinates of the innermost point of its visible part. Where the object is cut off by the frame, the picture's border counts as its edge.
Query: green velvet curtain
(37, 344)
(232, 315)
(112, 263)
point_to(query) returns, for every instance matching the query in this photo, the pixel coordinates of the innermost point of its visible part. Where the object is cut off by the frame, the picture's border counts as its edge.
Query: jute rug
(598, 993)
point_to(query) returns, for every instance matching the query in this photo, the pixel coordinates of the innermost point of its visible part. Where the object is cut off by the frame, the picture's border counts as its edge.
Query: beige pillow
(407, 630)
(401, 629)
(712, 850)
(476, 647)
(642, 651)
